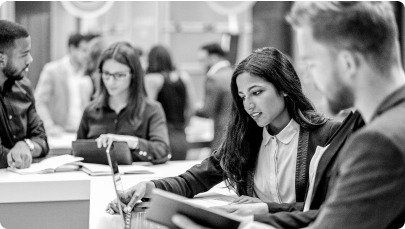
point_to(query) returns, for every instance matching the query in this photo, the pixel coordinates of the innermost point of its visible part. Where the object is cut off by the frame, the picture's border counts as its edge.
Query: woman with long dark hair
(272, 134)
(173, 89)
(122, 111)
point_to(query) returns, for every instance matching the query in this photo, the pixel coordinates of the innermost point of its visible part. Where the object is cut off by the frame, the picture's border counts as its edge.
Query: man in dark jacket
(353, 54)
(21, 130)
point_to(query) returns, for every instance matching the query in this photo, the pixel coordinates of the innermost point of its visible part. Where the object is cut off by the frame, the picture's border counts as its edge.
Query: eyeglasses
(118, 76)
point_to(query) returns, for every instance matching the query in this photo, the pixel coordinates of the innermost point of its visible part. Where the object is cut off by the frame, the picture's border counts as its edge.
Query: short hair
(368, 28)
(214, 49)
(159, 60)
(75, 39)
(9, 32)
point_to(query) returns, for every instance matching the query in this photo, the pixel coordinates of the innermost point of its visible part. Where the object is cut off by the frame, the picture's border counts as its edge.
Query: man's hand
(244, 209)
(246, 200)
(185, 223)
(19, 156)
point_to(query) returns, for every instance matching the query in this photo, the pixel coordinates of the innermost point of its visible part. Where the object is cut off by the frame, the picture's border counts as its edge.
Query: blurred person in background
(122, 111)
(22, 133)
(96, 48)
(174, 90)
(63, 89)
(218, 98)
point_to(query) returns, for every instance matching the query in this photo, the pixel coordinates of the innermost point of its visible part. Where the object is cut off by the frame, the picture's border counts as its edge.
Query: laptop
(136, 218)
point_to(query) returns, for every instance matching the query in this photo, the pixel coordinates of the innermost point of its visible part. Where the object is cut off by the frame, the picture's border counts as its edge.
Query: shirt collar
(71, 70)
(285, 136)
(214, 69)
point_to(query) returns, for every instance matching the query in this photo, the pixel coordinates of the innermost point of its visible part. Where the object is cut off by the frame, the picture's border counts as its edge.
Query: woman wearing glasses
(122, 111)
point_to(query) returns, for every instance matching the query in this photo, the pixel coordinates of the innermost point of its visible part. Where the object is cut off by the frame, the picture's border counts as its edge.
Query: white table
(98, 189)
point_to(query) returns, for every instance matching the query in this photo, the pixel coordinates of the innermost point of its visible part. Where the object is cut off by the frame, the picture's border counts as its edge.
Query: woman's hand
(106, 139)
(244, 209)
(246, 200)
(130, 197)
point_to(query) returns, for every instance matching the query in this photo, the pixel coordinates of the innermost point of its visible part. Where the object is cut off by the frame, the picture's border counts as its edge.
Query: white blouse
(274, 179)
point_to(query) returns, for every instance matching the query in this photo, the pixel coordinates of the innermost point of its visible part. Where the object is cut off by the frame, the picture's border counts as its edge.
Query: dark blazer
(202, 177)
(299, 219)
(368, 189)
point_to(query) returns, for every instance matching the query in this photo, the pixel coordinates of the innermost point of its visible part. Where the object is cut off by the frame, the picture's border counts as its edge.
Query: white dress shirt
(313, 166)
(215, 68)
(274, 179)
(76, 80)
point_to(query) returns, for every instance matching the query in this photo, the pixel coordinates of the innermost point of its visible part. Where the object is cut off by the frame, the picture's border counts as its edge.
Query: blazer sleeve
(288, 220)
(212, 97)
(199, 178)
(285, 207)
(370, 184)
(43, 93)
(157, 141)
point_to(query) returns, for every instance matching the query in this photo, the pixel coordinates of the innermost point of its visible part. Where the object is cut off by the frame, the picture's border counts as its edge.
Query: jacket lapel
(352, 122)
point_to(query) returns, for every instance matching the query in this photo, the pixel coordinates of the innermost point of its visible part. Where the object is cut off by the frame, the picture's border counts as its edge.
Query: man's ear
(3, 60)
(349, 64)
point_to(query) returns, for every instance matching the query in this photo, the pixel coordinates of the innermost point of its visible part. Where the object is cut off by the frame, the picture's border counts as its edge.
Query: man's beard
(341, 100)
(12, 73)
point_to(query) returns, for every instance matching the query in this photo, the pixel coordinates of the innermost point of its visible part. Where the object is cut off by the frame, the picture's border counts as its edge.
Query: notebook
(165, 204)
(88, 150)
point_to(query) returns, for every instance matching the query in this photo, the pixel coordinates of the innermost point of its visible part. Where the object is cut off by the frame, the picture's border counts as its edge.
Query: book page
(96, 169)
(99, 169)
(134, 169)
(48, 165)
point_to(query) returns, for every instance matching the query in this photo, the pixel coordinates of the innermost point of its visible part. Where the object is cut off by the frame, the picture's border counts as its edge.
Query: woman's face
(116, 77)
(261, 101)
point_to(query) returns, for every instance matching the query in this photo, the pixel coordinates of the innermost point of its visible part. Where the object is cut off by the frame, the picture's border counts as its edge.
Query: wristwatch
(29, 144)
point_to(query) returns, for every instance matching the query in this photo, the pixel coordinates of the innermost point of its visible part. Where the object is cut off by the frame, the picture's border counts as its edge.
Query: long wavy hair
(240, 148)
(124, 53)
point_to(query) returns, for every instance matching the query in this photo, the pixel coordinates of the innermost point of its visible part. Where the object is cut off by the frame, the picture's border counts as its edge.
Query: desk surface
(102, 189)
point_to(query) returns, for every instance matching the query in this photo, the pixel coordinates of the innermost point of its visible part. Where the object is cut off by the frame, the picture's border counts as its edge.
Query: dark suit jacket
(370, 175)
(298, 219)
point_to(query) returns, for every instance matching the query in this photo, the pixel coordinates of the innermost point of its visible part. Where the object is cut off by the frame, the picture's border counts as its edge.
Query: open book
(100, 170)
(68, 162)
(50, 165)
